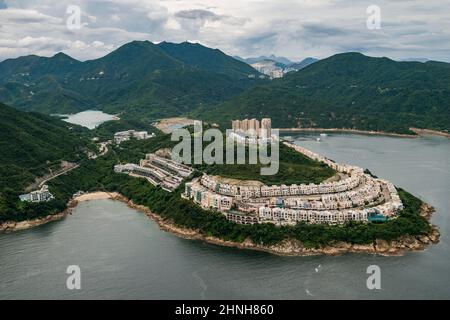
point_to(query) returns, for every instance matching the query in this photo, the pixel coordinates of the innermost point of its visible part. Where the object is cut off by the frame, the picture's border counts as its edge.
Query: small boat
(323, 135)
(318, 140)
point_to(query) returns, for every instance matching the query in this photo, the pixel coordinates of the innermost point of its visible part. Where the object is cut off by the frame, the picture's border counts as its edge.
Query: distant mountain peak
(185, 44)
(275, 69)
(136, 44)
(282, 60)
(137, 52)
(196, 54)
(61, 56)
(272, 57)
(158, 79)
(351, 90)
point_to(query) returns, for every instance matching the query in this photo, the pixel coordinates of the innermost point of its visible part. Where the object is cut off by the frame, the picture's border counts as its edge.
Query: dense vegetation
(98, 174)
(349, 90)
(186, 214)
(201, 57)
(294, 168)
(142, 80)
(139, 79)
(33, 143)
(145, 81)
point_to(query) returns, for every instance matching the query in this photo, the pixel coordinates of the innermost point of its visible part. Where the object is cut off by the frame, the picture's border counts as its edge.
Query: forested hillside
(32, 143)
(349, 90)
(139, 79)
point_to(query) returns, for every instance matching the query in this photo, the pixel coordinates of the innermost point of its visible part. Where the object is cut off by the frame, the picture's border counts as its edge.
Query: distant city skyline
(295, 29)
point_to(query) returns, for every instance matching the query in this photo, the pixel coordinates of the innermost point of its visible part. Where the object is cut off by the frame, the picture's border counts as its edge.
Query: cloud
(198, 14)
(292, 28)
(18, 16)
(320, 30)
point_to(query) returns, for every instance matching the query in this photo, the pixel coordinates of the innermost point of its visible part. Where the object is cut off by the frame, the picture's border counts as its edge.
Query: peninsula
(313, 205)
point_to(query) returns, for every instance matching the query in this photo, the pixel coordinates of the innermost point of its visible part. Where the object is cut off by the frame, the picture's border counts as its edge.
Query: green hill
(204, 58)
(32, 68)
(32, 143)
(349, 90)
(140, 79)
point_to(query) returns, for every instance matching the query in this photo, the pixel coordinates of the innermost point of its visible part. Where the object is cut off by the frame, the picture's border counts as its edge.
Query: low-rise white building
(122, 136)
(42, 195)
(207, 199)
(158, 171)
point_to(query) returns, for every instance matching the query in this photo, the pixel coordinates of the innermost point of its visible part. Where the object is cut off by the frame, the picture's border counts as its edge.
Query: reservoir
(89, 119)
(123, 254)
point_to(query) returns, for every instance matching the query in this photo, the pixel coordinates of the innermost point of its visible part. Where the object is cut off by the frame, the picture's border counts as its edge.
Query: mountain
(31, 143)
(276, 69)
(349, 90)
(300, 65)
(204, 58)
(282, 60)
(270, 67)
(415, 59)
(34, 67)
(31, 80)
(139, 79)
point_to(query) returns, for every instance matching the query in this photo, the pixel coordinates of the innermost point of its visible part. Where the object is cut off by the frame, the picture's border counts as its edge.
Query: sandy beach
(99, 195)
(11, 226)
(426, 132)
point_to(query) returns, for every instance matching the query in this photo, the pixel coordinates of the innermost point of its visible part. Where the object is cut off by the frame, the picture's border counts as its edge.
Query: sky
(292, 28)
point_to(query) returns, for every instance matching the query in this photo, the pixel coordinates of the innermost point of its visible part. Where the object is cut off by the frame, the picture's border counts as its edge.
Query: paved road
(103, 150)
(57, 175)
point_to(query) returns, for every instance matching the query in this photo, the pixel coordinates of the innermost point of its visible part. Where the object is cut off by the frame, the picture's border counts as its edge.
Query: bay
(122, 254)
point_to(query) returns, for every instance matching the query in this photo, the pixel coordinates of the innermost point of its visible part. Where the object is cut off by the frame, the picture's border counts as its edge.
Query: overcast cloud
(292, 28)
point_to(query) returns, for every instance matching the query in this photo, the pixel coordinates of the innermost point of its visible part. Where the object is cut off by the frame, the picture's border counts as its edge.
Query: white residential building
(122, 136)
(42, 195)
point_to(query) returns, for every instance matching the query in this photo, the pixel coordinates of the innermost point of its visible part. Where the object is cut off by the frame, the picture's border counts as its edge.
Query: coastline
(429, 132)
(13, 226)
(98, 195)
(292, 247)
(288, 247)
(419, 132)
(295, 248)
(355, 131)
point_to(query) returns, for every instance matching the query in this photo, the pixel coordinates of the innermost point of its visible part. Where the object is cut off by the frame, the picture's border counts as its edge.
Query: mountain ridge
(350, 90)
(274, 67)
(138, 75)
(146, 80)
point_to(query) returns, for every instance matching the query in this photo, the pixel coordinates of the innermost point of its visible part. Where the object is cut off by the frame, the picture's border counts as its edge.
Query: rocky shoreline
(295, 248)
(288, 247)
(12, 226)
